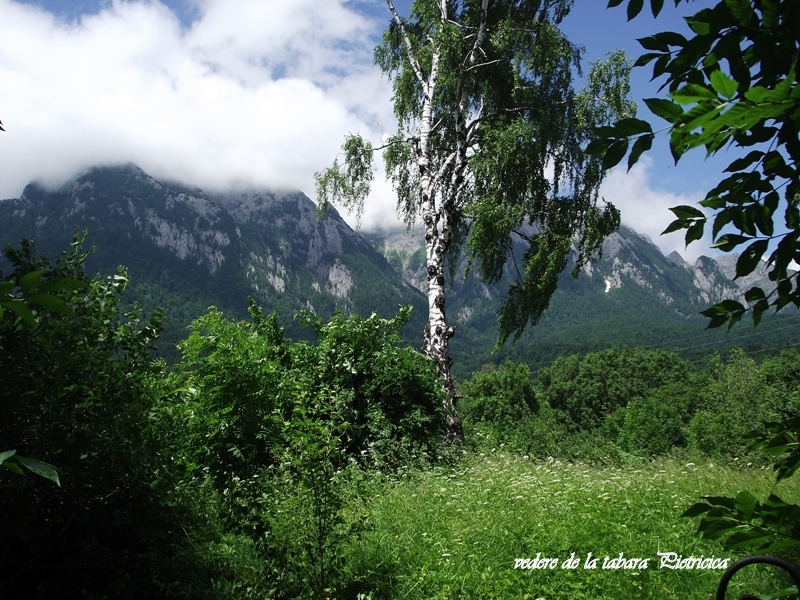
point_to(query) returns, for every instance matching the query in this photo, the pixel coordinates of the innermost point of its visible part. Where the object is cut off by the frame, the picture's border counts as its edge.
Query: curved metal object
(751, 560)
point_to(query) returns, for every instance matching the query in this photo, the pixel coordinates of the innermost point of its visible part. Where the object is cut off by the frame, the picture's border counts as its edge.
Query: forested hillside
(630, 295)
(186, 250)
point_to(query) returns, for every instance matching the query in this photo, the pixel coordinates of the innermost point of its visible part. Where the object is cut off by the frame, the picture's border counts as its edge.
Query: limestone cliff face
(758, 278)
(185, 223)
(631, 259)
(405, 251)
(269, 244)
(628, 260)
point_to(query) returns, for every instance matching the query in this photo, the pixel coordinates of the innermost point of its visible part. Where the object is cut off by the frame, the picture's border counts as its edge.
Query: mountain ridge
(214, 248)
(187, 249)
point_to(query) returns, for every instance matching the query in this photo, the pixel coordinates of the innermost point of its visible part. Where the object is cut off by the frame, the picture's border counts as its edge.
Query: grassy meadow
(456, 532)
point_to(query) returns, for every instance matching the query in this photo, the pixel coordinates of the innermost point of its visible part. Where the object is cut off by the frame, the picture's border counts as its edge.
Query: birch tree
(489, 148)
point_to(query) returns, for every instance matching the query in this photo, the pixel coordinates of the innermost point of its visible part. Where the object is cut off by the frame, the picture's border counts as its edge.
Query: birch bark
(437, 333)
(490, 138)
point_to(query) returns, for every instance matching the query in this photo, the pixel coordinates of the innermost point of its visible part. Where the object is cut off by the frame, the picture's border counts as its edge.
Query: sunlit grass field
(456, 532)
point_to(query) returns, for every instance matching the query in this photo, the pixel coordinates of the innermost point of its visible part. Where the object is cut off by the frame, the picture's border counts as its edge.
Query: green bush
(395, 412)
(498, 406)
(585, 391)
(736, 400)
(656, 424)
(76, 372)
(652, 426)
(274, 433)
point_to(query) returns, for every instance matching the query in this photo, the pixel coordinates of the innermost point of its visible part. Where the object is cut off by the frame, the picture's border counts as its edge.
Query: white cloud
(646, 209)
(255, 93)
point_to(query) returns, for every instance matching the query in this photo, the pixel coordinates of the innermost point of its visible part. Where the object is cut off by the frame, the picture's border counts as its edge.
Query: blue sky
(221, 93)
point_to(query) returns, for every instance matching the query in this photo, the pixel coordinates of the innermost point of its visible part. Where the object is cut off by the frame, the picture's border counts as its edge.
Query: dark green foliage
(234, 474)
(395, 403)
(732, 83)
(317, 472)
(245, 376)
(632, 401)
(230, 396)
(271, 434)
(782, 372)
(736, 399)
(75, 394)
(655, 424)
(499, 405)
(15, 463)
(503, 396)
(744, 522)
(585, 391)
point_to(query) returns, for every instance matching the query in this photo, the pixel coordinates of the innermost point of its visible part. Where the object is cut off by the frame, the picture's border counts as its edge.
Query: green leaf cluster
(75, 395)
(497, 403)
(733, 83)
(585, 391)
(274, 433)
(13, 462)
(246, 377)
(743, 522)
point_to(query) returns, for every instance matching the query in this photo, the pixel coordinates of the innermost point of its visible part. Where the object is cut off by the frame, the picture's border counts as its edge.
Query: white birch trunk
(437, 335)
(436, 341)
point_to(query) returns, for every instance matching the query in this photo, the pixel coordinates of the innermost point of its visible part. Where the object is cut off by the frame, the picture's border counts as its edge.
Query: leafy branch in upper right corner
(733, 83)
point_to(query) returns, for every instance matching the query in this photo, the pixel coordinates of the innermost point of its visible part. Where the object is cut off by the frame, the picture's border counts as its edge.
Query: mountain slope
(187, 250)
(633, 295)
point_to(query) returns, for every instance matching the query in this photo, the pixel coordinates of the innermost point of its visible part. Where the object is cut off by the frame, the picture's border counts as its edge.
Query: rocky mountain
(631, 295)
(186, 250)
(626, 258)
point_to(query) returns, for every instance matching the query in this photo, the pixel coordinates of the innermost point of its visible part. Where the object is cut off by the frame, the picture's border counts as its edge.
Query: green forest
(258, 466)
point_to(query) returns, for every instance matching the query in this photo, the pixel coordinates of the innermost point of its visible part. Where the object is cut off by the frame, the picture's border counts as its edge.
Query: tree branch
(525, 237)
(482, 30)
(441, 170)
(408, 140)
(412, 58)
(483, 64)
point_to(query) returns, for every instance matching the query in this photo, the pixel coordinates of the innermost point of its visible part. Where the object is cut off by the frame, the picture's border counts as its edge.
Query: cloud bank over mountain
(251, 94)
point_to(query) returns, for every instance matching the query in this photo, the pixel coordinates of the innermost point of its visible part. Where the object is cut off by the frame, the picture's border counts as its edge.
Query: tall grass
(456, 532)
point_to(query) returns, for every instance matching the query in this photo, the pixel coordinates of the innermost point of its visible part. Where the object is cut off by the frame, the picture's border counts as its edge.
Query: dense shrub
(502, 395)
(585, 391)
(736, 400)
(274, 433)
(652, 425)
(499, 409)
(396, 403)
(75, 393)
(244, 378)
(655, 424)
